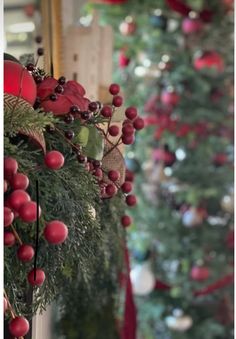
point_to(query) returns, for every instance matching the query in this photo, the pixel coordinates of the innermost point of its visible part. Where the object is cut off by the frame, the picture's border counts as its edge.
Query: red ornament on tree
(25, 253)
(36, 277)
(18, 198)
(19, 82)
(123, 60)
(192, 25)
(54, 160)
(8, 216)
(210, 60)
(19, 181)
(199, 273)
(169, 98)
(111, 190)
(55, 232)
(28, 211)
(19, 327)
(9, 239)
(10, 167)
(128, 27)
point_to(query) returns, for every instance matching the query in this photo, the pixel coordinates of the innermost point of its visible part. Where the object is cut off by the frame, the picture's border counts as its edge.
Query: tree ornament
(113, 175)
(19, 327)
(164, 155)
(126, 220)
(54, 160)
(179, 323)
(227, 203)
(111, 190)
(123, 59)
(19, 181)
(209, 60)
(126, 187)
(128, 26)
(18, 198)
(170, 98)
(199, 273)
(192, 25)
(220, 159)
(25, 253)
(142, 278)
(9, 239)
(36, 277)
(114, 89)
(55, 232)
(19, 82)
(8, 216)
(158, 20)
(192, 217)
(28, 211)
(131, 200)
(10, 167)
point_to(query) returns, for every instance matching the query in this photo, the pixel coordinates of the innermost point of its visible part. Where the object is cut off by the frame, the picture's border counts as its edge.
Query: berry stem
(16, 234)
(9, 305)
(67, 140)
(113, 147)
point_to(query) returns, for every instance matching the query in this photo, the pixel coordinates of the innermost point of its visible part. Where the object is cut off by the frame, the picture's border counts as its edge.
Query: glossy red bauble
(54, 160)
(25, 253)
(191, 26)
(123, 60)
(220, 159)
(19, 82)
(9, 239)
(18, 198)
(199, 273)
(131, 200)
(19, 327)
(28, 211)
(36, 278)
(19, 181)
(210, 60)
(128, 27)
(126, 220)
(10, 167)
(55, 232)
(169, 98)
(8, 216)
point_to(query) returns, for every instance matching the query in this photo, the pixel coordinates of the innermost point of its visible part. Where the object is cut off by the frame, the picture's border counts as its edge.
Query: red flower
(73, 95)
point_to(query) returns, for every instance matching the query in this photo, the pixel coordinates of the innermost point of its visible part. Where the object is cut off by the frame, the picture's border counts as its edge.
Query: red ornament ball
(138, 123)
(106, 112)
(8, 216)
(113, 130)
(113, 175)
(126, 220)
(10, 167)
(36, 278)
(18, 198)
(123, 60)
(169, 98)
(54, 160)
(220, 159)
(9, 239)
(25, 253)
(210, 60)
(131, 112)
(199, 273)
(114, 89)
(117, 101)
(126, 187)
(19, 181)
(5, 304)
(55, 232)
(111, 190)
(131, 200)
(128, 27)
(191, 26)
(19, 82)
(19, 327)
(28, 211)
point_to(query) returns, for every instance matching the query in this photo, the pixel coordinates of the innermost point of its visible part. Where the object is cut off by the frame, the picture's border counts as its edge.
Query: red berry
(199, 273)
(138, 123)
(170, 98)
(9, 239)
(5, 186)
(54, 160)
(128, 139)
(131, 200)
(127, 130)
(126, 187)
(98, 173)
(10, 167)
(17, 199)
(111, 190)
(117, 101)
(55, 232)
(8, 216)
(28, 211)
(25, 253)
(113, 175)
(113, 130)
(131, 112)
(5, 304)
(19, 327)
(19, 181)
(114, 89)
(36, 277)
(129, 175)
(93, 106)
(106, 111)
(126, 220)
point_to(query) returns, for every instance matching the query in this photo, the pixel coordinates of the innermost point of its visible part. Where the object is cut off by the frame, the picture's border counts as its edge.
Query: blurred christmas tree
(175, 62)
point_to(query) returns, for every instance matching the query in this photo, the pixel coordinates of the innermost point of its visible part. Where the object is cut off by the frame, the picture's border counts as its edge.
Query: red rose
(73, 95)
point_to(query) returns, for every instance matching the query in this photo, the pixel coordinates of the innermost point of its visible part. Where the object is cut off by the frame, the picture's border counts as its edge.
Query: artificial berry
(5, 186)
(93, 106)
(40, 51)
(38, 39)
(9, 239)
(113, 175)
(54, 160)
(91, 167)
(62, 80)
(106, 112)
(131, 200)
(36, 277)
(114, 89)
(98, 173)
(127, 129)
(74, 109)
(127, 139)
(25, 253)
(38, 79)
(113, 130)
(18, 198)
(81, 158)
(10, 167)
(85, 115)
(59, 89)
(69, 118)
(117, 101)
(19, 181)
(28, 211)
(126, 220)
(53, 97)
(129, 175)
(138, 123)
(19, 327)
(111, 190)
(55, 232)
(131, 112)
(69, 134)
(126, 187)
(30, 67)
(8, 216)
(97, 163)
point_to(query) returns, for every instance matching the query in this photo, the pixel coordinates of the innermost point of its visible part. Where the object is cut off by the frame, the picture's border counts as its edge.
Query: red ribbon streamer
(180, 7)
(223, 282)
(160, 285)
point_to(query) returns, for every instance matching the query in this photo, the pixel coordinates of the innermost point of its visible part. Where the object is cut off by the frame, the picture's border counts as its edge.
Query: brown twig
(16, 234)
